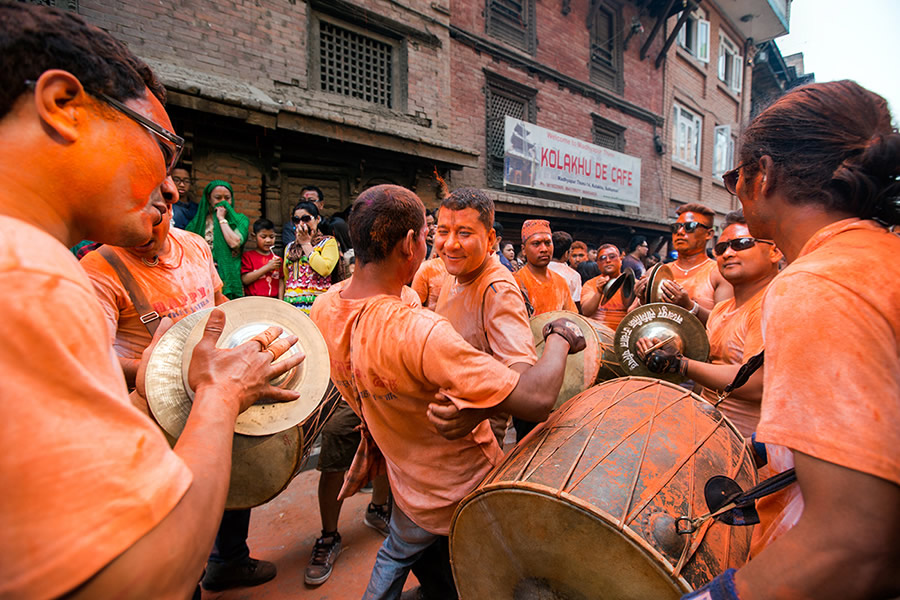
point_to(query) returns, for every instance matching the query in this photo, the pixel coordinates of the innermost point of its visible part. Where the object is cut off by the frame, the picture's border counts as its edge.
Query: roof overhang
(759, 20)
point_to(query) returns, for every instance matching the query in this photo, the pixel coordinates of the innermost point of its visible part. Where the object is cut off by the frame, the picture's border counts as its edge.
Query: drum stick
(659, 344)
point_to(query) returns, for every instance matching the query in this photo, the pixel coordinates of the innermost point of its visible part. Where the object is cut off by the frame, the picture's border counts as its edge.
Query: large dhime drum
(271, 440)
(585, 506)
(597, 362)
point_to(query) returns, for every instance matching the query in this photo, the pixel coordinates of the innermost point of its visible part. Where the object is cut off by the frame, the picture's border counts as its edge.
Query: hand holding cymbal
(243, 373)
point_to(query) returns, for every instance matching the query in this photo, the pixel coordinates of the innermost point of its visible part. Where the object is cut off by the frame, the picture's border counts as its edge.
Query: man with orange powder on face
(610, 314)
(429, 279)
(698, 285)
(389, 361)
(97, 505)
(480, 297)
(544, 290)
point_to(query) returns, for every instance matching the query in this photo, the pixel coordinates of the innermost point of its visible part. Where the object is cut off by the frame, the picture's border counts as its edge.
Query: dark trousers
(434, 573)
(231, 539)
(523, 428)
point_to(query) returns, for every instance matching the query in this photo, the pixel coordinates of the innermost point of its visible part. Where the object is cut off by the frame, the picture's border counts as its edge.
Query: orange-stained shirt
(735, 334)
(611, 313)
(85, 474)
(428, 281)
(832, 377)
(184, 281)
(573, 279)
(399, 358)
(489, 312)
(697, 282)
(545, 296)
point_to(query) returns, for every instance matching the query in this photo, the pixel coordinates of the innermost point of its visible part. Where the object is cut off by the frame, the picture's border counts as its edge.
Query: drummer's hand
(665, 359)
(242, 374)
(452, 422)
(675, 294)
(139, 386)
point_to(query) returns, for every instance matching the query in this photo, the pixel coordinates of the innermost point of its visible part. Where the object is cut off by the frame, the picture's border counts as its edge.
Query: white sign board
(542, 159)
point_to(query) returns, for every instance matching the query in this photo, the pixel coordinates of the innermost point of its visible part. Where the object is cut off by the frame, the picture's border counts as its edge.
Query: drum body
(597, 362)
(585, 506)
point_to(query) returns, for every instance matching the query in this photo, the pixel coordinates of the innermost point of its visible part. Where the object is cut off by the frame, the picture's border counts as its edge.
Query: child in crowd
(261, 268)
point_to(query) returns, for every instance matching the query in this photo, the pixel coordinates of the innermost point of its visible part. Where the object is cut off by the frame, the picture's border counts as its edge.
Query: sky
(857, 40)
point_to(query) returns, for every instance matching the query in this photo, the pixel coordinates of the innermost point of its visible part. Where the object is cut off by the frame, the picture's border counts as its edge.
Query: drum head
(170, 397)
(581, 367)
(555, 532)
(663, 321)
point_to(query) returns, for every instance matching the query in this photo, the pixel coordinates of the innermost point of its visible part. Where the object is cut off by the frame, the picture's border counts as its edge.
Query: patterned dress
(302, 284)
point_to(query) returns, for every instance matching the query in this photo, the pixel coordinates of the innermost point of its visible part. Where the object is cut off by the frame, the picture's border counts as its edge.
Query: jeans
(408, 546)
(231, 539)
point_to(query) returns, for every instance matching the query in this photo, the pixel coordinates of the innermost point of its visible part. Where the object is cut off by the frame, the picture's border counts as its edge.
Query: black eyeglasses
(305, 219)
(738, 244)
(730, 179)
(184, 180)
(689, 226)
(164, 137)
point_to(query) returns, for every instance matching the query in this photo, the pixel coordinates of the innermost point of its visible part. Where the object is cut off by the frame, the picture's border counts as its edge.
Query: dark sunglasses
(305, 219)
(689, 226)
(738, 244)
(604, 257)
(730, 179)
(170, 144)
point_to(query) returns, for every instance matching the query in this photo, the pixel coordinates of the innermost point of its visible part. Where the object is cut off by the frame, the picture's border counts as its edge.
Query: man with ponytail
(818, 175)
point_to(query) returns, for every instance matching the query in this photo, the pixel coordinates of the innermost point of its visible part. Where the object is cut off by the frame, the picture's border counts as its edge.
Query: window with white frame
(694, 36)
(687, 132)
(723, 151)
(731, 63)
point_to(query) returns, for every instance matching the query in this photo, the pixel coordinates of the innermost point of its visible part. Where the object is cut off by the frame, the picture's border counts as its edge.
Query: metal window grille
(355, 65)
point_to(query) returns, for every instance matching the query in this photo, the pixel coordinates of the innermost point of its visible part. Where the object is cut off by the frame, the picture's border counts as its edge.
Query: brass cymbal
(245, 318)
(654, 288)
(651, 274)
(669, 322)
(625, 281)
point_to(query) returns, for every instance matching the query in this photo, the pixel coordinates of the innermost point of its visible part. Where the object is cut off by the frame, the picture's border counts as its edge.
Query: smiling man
(610, 314)
(100, 506)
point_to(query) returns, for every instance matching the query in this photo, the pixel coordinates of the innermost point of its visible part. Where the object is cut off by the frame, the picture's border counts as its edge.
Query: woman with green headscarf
(225, 231)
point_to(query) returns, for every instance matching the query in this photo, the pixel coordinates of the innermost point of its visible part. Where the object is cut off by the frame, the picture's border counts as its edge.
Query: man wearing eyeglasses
(184, 210)
(734, 325)
(609, 261)
(96, 504)
(698, 285)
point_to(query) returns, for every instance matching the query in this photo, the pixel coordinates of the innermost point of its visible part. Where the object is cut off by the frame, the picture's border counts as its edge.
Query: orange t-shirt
(400, 357)
(184, 281)
(832, 375)
(735, 334)
(489, 313)
(611, 313)
(428, 281)
(698, 282)
(86, 474)
(545, 296)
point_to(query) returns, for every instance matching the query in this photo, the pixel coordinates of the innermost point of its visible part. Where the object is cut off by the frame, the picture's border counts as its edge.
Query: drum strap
(149, 317)
(743, 375)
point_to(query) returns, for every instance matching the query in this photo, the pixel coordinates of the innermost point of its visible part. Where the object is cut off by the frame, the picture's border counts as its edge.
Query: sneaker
(324, 555)
(224, 576)
(378, 517)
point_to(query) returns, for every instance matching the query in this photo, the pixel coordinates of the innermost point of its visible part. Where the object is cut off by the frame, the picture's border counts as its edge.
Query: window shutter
(738, 72)
(722, 58)
(703, 40)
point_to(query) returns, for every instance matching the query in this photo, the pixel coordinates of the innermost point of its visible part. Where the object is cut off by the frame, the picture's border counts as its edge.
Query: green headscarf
(228, 261)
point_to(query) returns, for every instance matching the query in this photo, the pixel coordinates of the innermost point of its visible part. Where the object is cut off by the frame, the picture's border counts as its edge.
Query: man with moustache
(97, 504)
(174, 275)
(610, 314)
(698, 285)
(734, 325)
(544, 290)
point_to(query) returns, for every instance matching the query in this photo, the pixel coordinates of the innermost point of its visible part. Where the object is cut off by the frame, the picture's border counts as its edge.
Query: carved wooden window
(608, 134)
(70, 5)
(512, 21)
(606, 48)
(356, 65)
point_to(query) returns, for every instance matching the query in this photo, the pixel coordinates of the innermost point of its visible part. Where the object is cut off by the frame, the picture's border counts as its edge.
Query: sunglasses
(689, 226)
(730, 178)
(738, 244)
(604, 257)
(304, 219)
